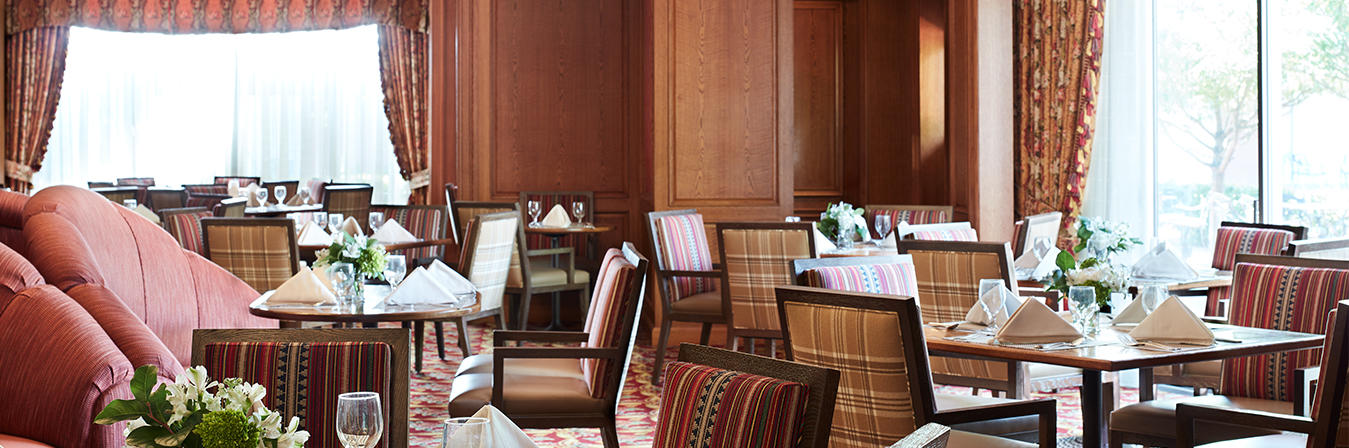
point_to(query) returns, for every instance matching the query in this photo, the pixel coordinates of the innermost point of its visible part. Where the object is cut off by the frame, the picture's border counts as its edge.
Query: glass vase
(844, 238)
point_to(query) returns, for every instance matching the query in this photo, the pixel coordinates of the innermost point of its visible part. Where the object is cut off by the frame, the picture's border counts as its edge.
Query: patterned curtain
(404, 71)
(215, 16)
(35, 63)
(1058, 66)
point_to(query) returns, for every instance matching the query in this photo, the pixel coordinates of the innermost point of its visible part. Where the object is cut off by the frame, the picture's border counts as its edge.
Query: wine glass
(882, 227)
(464, 431)
(994, 308)
(578, 208)
(280, 194)
(534, 209)
(321, 219)
(1084, 308)
(395, 269)
(1152, 296)
(335, 222)
(360, 420)
(793, 219)
(130, 203)
(376, 220)
(262, 196)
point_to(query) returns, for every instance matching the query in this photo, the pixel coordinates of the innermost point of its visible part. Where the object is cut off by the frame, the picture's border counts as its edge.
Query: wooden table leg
(290, 324)
(1093, 410)
(1147, 388)
(418, 334)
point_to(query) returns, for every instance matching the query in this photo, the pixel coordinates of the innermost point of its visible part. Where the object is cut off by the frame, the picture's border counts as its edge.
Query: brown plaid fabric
(757, 260)
(354, 203)
(948, 285)
(258, 255)
(875, 405)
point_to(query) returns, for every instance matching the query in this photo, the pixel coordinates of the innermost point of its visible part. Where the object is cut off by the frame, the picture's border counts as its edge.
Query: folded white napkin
(147, 213)
(312, 235)
(304, 288)
(501, 432)
(351, 227)
(455, 283)
(233, 188)
(1163, 263)
(1131, 314)
(557, 217)
(392, 232)
(1000, 299)
(1173, 322)
(252, 192)
(822, 243)
(1035, 323)
(420, 287)
(315, 191)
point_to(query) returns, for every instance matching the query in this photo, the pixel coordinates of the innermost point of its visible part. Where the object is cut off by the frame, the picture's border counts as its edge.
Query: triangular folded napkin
(557, 217)
(456, 284)
(420, 287)
(1131, 314)
(1039, 261)
(1035, 323)
(1173, 322)
(312, 235)
(501, 432)
(999, 299)
(252, 192)
(1162, 263)
(233, 188)
(392, 232)
(351, 227)
(299, 197)
(304, 288)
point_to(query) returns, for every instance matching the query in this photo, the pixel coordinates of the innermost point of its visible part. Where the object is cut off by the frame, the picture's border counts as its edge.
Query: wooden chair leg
(707, 334)
(500, 319)
(419, 335)
(524, 310)
(610, 435)
(465, 345)
(662, 341)
(440, 340)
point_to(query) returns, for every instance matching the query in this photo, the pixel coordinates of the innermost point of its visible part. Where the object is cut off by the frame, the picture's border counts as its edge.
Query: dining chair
(292, 189)
(135, 181)
(349, 200)
(931, 435)
(563, 386)
(230, 208)
(260, 251)
(244, 181)
(185, 226)
(165, 198)
(686, 278)
(912, 214)
(304, 370)
(881, 274)
(452, 196)
(1322, 248)
(756, 257)
(118, 194)
(1036, 227)
(586, 245)
(1270, 292)
(541, 275)
(485, 261)
(93, 185)
(885, 389)
(766, 402)
(426, 222)
(1325, 428)
(951, 231)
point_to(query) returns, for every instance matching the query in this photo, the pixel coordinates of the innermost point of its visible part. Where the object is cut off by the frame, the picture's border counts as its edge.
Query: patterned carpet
(637, 411)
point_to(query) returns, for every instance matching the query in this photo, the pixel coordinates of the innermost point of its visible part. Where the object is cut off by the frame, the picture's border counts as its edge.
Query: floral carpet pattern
(637, 410)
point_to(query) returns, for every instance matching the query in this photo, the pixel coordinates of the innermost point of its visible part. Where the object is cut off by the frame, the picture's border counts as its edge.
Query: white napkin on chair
(233, 188)
(420, 287)
(392, 232)
(1035, 323)
(1000, 299)
(303, 288)
(1131, 314)
(1162, 263)
(501, 432)
(312, 235)
(147, 213)
(557, 217)
(1173, 322)
(351, 227)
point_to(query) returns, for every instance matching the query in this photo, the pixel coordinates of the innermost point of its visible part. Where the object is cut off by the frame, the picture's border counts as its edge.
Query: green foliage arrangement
(839, 215)
(366, 254)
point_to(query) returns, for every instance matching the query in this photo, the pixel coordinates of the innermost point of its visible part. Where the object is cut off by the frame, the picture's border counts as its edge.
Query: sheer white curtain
(185, 108)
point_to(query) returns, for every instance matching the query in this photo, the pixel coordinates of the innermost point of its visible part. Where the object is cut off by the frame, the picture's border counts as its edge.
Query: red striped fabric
(604, 323)
(705, 406)
(1242, 240)
(186, 228)
(546, 202)
(423, 223)
(889, 278)
(683, 246)
(911, 216)
(947, 235)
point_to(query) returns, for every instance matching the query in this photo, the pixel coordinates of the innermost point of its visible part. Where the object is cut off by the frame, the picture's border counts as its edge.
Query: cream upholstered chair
(885, 389)
(912, 214)
(485, 261)
(686, 278)
(756, 257)
(1036, 227)
(260, 251)
(185, 226)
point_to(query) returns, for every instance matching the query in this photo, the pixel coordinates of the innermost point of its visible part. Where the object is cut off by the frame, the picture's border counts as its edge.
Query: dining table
(273, 210)
(1107, 352)
(554, 235)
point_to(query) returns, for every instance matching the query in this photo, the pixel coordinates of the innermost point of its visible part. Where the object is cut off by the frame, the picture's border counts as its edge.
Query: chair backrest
(244, 181)
(305, 370)
(952, 231)
(1035, 227)
(465, 211)
(765, 402)
(165, 198)
(612, 319)
(349, 200)
(486, 256)
(949, 273)
(1255, 239)
(1324, 248)
(93, 185)
(185, 226)
(427, 222)
(680, 240)
(292, 188)
(1331, 405)
(260, 251)
(231, 207)
(196, 189)
(135, 181)
(118, 194)
(756, 257)
(1280, 293)
(452, 196)
(912, 214)
(883, 274)
(876, 343)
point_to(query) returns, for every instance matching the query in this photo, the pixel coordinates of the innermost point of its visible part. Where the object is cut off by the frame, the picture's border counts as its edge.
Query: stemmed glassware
(335, 222)
(360, 420)
(262, 196)
(395, 269)
(376, 220)
(321, 220)
(1084, 308)
(578, 208)
(882, 227)
(280, 195)
(992, 310)
(1152, 296)
(534, 209)
(463, 432)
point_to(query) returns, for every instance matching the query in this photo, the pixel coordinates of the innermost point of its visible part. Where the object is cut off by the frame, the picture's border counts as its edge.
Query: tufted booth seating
(130, 274)
(11, 220)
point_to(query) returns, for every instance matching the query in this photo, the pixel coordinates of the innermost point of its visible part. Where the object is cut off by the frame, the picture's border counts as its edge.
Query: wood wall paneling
(818, 131)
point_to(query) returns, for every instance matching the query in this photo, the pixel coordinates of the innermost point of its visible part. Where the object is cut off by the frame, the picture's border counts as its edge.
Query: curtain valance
(215, 16)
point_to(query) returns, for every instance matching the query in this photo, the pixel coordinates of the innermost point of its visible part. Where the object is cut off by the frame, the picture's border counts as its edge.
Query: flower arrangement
(366, 254)
(839, 219)
(1090, 263)
(196, 412)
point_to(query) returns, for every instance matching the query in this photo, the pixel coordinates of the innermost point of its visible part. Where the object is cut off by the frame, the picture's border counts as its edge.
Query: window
(1178, 146)
(185, 108)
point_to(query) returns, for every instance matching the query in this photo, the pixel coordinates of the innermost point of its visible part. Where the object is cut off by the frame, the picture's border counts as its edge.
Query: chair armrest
(1044, 408)
(1304, 388)
(1188, 414)
(501, 337)
(501, 354)
(930, 435)
(663, 273)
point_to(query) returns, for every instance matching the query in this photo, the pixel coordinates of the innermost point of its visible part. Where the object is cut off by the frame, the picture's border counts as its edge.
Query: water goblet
(344, 279)
(395, 269)
(281, 194)
(578, 208)
(130, 203)
(360, 419)
(793, 219)
(376, 220)
(534, 209)
(991, 309)
(1084, 308)
(335, 222)
(321, 219)
(882, 226)
(463, 432)
(262, 196)
(1152, 296)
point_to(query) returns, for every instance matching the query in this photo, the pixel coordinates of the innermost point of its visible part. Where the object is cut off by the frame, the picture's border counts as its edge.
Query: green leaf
(1065, 261)
(143, 381)
(1090, 262)
(184, 429)
(146, 435)
(160, 408)
(120, 411)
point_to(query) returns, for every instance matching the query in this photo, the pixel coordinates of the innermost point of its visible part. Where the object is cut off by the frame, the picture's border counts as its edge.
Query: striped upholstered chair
(244, 181)
(885, 274)
(559, 386)
(260, 251)
(686, 278)
(305, 370)
(1271, 292)
(485, 260)
(912, 214)
(427, 222)
(1244, 238)
(185, 226)
(135, 181)
(954, 231)
(885, 389)
(756, 257)
(765, 402)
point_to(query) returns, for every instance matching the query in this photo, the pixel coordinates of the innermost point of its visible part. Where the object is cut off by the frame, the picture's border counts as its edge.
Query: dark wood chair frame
(131, 181)
(732, 334)
(620, 355)
(465, 266)
(287, 224)
(292, 189)
(231, 208)
(93, 185)
(117, 194)
(397, 338)
(916, 361)
(363, 190)
(160, 198)
(1030, 222)
(664, 287)
(1309, 248)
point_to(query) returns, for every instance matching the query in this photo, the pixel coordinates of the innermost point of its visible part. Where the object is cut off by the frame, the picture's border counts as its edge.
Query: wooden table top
(544, 230)
(394, 246)
(278, 210)
(375, 310)
(1116, 356)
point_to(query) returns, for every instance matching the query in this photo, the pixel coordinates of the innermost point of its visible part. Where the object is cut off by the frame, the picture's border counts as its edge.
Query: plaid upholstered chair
(756, 257)
(488, 247)
(541, 275)
(686, 278)
(230, 208)
(766, 402)
(260, 251)
(305, 370)
(118, 194)
(1324, 248)
(244, 181)
(427, 222)
(885, 389)
(953, 231)
(561, 386)
(166, 198)
(1035, 227)
(185, 226)
(1271, 292)
(349, 200)
(912, 214)
(1327, 426)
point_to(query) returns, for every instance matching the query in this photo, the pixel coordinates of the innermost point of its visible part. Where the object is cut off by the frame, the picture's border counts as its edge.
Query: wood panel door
(818, 130)
(723, 109)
